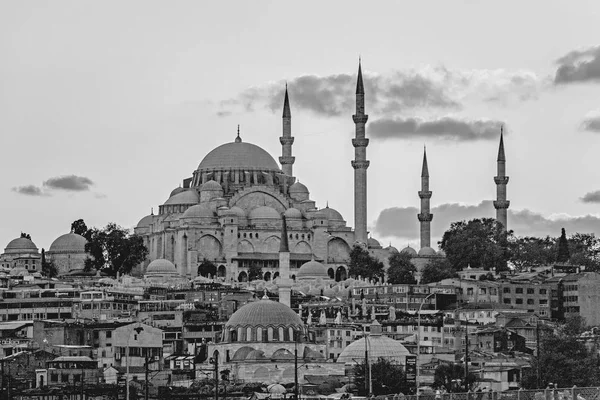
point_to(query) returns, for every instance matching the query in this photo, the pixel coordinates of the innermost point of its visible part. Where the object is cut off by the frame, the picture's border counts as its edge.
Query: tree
(254, 272)
(207, 268)
(584, 249)
(386, 377)
(479, 243)
(531, 252)
(563, 254)
(80, 228)
(564, 359)
(437, 270)
(401, 270)
(114, 250)
(25, 235)
(451, 376)
(364, 265)
(48, 267)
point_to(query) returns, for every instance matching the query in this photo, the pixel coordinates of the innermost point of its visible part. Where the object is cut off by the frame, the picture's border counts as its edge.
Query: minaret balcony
(425, 194)
(501, 180)
(425, 217)
(286, 140)
(360, 142)
(360, 119)
(501, 204)
(287, 160)
(360, 164)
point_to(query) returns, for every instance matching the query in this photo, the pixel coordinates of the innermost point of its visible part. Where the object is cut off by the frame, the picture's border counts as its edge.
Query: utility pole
(82, 382)
(466, 355)
(296, 365)
(147, 380)
(537, 351)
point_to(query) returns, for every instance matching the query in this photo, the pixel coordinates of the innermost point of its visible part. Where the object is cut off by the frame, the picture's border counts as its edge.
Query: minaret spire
(425, 216)
(285, 286)
(287, 140)
(501, 204)
(360, 162)
(238, 139)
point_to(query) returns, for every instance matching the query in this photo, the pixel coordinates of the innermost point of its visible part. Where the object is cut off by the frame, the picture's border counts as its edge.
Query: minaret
(287, 140)
(360, 163)
(425, 216)
(285, 286)
(501, 204)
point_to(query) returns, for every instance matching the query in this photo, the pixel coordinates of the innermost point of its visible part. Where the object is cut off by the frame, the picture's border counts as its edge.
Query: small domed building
(163, 273)
(67, 252)
(21, 253)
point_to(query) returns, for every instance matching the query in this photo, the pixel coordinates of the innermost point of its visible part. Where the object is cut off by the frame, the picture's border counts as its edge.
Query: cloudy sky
(106, 106)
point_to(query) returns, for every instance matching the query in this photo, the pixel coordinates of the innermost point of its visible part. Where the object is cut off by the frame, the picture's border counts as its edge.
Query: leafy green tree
(451, 377)
(480, 243)
(365, 265)
(80, 228)
(584, 249)
(401, 269)
(564, 359)
(437, 270)
(114, 250)
(530, 252)
(254, 272)
(207, 268)
(25, 235)
(563, 254)
(48, 267)
(386, 377)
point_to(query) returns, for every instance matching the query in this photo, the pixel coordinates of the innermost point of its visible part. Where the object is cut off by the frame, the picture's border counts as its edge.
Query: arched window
(259, 334)
(281, 330)
(248, 334)
(270, 334)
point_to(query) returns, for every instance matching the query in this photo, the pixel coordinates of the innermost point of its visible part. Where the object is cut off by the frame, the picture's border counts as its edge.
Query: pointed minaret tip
(238, 139)
(501, 156)
(425, 169)
(284, 246)
(360, 89)
(286, 104)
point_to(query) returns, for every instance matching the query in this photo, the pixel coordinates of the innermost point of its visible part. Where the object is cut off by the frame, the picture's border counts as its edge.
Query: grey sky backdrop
(105, 106)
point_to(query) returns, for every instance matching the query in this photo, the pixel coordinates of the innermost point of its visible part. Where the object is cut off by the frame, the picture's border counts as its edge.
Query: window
(506, 301)
(530, 301)
(543, 291)
(518, 301)
(53, 377)
(530, 291)
(506, 290)
(519, 290)
(108, 334)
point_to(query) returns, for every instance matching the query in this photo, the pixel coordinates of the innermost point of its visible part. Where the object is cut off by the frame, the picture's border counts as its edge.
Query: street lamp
(419, 342)
(215, 361)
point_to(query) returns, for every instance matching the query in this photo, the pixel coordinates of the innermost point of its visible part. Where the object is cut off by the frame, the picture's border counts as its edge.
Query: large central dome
(245, 156)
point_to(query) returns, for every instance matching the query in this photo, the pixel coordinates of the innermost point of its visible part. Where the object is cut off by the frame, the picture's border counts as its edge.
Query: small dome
(373, 243)
(161, 267)
(187, 197)
(68, 243)
(177, 190)
(392, 250)
(146, 221)
(380, 346)
(276, 388)
(332, 214)
(211, 186)
(264, 313)
(426, 252)
(264, 212)
(441, 253)
(298, 187)
(293, 213)
(20, 245)
(235, 210)
(312, 269)
(410, 251)
(319, 214)
(199, 211)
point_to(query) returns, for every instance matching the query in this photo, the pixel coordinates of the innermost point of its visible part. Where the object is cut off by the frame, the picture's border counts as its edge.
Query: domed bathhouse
(21, 253)
(163, 273)
(68, 254)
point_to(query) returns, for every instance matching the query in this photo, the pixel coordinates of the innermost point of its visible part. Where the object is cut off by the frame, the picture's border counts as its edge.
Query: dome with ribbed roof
(409, 250)
(187, 197)
(264, 313)
(312, 270)
(161, 267)
(68, 243)
(373, 243)
(199, 211)
(177, 190)
(211, 186)
(379, 346)
(264, 212)
(332, 214)
(293, 213)
(146, 221)
(239, 155)
(392, 249)
(20, 245)
(426, 252)
(298, 187)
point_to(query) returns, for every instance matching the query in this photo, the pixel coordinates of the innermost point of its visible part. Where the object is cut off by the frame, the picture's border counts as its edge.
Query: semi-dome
(146, 221)
(264, 313)
(409, 250)
(161, 267)
(373, 243)
(241, 353)
(177, 190)
(68, 243)
(332, 214)
(235, 210)
(293, 213)
(187, 197)
(199, 211)
(264, 212)
(239, 155)
(211, 185)
(312, 269)
(379, 346)
(427, 251)
(20, 245)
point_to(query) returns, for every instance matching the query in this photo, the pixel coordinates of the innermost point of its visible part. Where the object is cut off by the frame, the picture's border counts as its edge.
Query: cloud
(401, 222)
(449, 128)
(71, 183)
(389, 93)
(579, 66)
(29, 190)
(591, 197)
(591, 122)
